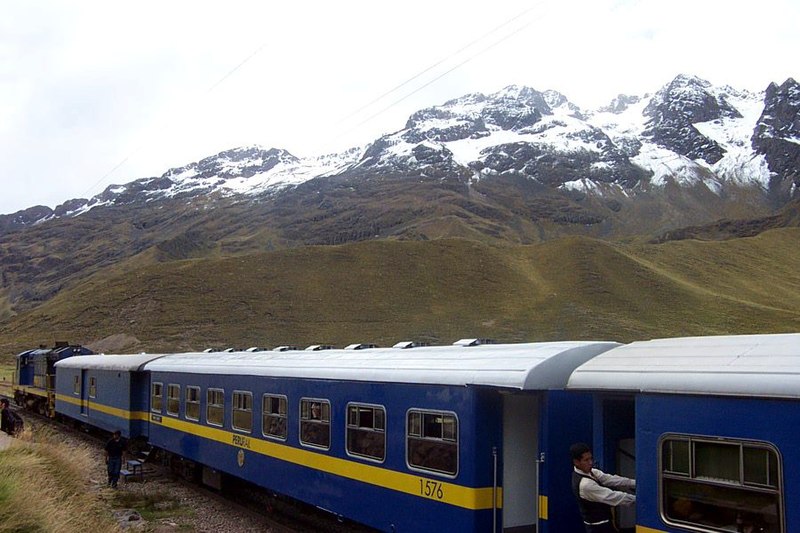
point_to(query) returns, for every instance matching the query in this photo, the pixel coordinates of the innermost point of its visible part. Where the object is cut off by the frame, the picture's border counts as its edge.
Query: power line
(437, 78)
(433, 66)
(379, 98)
(209, 91)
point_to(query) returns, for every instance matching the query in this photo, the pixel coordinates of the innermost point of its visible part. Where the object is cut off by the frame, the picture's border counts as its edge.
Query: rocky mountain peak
(690, 98)
(556, 100)
(777, 136)
(781, 116)
(675, 109)
(620, 104)
(236, 162)
(520, 95)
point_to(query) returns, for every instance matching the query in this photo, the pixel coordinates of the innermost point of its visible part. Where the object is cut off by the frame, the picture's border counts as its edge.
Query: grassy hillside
(43, 487)
(436, 292)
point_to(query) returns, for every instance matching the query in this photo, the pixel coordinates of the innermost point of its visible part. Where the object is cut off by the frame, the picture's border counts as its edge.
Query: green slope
(436, 292)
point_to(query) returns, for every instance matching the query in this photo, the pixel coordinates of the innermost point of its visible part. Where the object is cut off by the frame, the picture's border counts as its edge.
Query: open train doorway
(615, 447)
(520, 466)
(84, 393)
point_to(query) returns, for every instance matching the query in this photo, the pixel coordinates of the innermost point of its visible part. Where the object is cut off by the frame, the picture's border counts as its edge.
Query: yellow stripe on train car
(450, 493)
(35, 392)
(101, 408)
(543, 507)
(469, 498)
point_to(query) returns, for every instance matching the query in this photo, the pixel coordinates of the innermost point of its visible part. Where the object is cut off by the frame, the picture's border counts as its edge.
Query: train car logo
(240, 441)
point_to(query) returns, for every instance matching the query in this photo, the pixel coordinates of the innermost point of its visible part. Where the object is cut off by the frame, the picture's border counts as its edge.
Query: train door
(615, 446)
(520, 466)
(626, 466)
(84, 392)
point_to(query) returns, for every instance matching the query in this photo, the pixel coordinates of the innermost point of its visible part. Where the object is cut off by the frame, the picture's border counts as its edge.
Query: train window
(760, 467)
(76, 385)
(243, 411)
(215, 406)
(173, 399)
(720, 484)
(315, 422)
(273, 421)
(193, 403)
(366, 431)
(676, 456)
(156, 395)
(432, 441)
(92, 387)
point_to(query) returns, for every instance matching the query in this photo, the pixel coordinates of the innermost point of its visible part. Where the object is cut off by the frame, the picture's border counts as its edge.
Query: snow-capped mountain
(689, 133)
(516, 166)
(250, 171)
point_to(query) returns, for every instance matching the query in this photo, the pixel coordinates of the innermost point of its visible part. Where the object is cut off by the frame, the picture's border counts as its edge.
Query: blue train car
(711, 423)
(109, 392)
(449, 438)
(34, 376)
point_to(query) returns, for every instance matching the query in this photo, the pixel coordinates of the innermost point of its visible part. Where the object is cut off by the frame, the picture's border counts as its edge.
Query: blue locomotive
(474, 437)
(35, 375)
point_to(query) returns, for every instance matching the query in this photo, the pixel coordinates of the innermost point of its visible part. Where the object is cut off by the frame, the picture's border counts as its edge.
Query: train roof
(126, 363)
(532, 366)
(742, 365)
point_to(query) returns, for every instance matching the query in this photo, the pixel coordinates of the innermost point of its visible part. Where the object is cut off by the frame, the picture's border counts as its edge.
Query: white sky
(94, 93)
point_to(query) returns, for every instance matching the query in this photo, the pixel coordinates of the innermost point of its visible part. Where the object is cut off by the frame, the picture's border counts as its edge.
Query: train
(473, 437)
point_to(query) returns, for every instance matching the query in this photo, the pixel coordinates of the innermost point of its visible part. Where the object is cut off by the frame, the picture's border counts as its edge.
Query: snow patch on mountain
(667, 166)
(288, 173)
(623, 125)
(740, 164)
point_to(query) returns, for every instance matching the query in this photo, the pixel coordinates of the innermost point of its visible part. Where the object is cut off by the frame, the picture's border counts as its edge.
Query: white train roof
(742, 365)
(533, 366)
(126, 363)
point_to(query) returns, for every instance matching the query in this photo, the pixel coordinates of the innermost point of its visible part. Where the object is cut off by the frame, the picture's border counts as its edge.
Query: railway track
(239, 502)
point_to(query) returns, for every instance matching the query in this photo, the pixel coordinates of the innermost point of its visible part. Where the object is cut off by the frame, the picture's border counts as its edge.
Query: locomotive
(34, 375)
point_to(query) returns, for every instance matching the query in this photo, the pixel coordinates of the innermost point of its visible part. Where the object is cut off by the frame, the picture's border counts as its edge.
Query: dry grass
(435, 292)
(44, 488)
(6, 378)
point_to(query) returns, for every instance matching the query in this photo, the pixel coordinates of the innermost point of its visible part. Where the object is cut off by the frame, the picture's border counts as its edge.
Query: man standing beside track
(10, 422)
(114, 448)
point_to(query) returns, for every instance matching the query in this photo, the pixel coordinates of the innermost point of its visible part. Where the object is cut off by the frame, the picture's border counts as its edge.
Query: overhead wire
(210, 90)
(437, 78)
(440, 62)
(393, 90)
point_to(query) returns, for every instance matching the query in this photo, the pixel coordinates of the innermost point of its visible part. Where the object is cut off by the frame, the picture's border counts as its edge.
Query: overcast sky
(101, 93)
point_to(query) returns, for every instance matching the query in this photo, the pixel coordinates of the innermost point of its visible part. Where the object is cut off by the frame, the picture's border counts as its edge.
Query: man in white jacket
(594, 490)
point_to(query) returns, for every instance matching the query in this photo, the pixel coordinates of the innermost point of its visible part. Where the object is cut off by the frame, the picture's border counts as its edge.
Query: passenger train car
(712, 425)
(476, 437)
(109, 392)
(420, 439)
